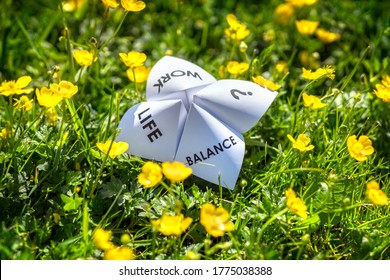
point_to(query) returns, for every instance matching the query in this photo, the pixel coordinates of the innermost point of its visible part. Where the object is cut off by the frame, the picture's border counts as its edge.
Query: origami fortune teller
(191, 117)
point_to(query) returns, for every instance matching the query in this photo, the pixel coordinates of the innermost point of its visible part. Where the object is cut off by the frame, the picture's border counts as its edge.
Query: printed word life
(149, 123)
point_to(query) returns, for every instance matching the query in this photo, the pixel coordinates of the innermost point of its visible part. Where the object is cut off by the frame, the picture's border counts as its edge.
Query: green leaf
(71, 203)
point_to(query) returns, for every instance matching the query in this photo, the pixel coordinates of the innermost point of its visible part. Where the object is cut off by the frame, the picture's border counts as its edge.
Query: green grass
(46, 169)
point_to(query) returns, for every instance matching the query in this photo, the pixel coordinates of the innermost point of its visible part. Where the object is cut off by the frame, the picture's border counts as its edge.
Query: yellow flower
(84, 57)
(236, 31)
(6, 132)
(306, 27)
(47, 98)
(117, 148)
(301, 3)
(176, 171)
(309, 59)
(102, 239)
(302, 142)
(151, 174)
(12, 87)
(133, 59)
(281, 67)
(72, 5)
(133, 5)
(313, 102)
(326, 36)
(64, 89)
(284, 13)
(327, 71)
(119, 253)
(52, 115)
(215, 220)
(260, 80)
(360, 148)
(172, 225)
(110, 3)
(375, 195)
(23, 104)
(237, 68)
(383, 90)
(141, 74)
(295, 204)
(222, 71)
(191, 255)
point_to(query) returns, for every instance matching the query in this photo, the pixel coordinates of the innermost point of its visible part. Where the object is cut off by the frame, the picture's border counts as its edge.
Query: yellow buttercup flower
(281, 67)
(64, 89)
(302, 142)
(360, 148)
(309, 59)
(376, 195)
(326, 36)
(110, 3)
(117, 148)
(326, 71)
(133, 59)
(383, 89)
(8, 88)
(260, 80)
(236, 31)
(295, 204)
(306, 27)
(222, 71)
(23, 103)
(215, 220)
(141, 74)
(52, 115)
(176, 171)
(47, 98)
(84, 57)
(102, 239)
(151, 174)
(133, 5)
(237, 68)
(172, 225)
(191, 255)
(119, 253)
(284, 13)
(313, 102)
(72, 5)
(6, 132)
(301, 3)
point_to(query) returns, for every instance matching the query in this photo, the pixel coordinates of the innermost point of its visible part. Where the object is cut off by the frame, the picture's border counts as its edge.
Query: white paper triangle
(153, 129)
(240, 104)
(171, 74)
(212, 149)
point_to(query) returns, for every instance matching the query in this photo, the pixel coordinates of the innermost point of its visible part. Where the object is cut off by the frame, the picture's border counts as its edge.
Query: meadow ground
(315, 179)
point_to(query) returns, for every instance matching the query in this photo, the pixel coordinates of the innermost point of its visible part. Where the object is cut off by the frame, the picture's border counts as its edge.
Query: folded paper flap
(240, 104)
(172, 74)
(212, 149)
(153, 129)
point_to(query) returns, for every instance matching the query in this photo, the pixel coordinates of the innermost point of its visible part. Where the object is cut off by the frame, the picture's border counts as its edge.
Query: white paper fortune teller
(191, 117)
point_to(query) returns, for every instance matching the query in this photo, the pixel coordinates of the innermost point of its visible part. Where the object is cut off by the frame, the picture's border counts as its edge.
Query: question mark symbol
(235, 91)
